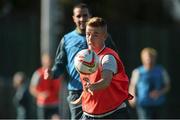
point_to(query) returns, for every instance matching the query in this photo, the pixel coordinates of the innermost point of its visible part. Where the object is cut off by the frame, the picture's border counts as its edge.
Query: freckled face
(95, 37)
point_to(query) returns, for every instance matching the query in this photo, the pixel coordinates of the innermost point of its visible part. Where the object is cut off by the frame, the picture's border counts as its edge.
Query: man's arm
(157, 93)
(167, 84)
(60, 61)
(34, 83)
(132, 86)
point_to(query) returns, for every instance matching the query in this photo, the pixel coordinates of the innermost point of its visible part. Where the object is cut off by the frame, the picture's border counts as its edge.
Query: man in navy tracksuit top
(70, 45)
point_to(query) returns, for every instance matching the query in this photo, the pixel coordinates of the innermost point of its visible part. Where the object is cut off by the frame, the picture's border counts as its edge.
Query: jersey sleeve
(109, 63)
(35, 79)
(60, 60)
(135, 76)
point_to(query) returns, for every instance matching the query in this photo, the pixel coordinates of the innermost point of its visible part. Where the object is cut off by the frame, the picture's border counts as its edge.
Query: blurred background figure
(22, 96)
(46, 92)
(149, 84)
(172, 7)
(55, 117)
(5, 7)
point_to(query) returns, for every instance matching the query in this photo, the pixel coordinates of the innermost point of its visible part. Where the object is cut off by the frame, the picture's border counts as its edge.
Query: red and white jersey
(108, 99)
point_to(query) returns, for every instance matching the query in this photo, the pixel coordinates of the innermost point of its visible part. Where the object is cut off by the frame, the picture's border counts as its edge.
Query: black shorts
(122, 113)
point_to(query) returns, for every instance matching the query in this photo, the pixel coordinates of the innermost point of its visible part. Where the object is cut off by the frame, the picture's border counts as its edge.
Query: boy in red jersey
(107, 89)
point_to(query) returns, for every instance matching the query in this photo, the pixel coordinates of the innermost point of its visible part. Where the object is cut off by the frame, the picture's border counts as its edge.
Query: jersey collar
(101, 50)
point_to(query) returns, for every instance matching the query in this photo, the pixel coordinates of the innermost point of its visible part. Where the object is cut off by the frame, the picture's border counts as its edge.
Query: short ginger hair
(97, 22)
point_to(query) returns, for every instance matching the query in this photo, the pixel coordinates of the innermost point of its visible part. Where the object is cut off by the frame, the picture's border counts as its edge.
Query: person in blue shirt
(149, 85)
(69, 46)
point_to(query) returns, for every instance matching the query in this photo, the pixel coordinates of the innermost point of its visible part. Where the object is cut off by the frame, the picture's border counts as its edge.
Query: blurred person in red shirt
(46, 92)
